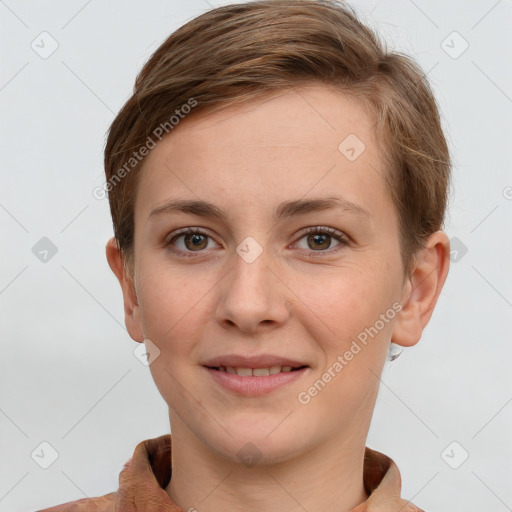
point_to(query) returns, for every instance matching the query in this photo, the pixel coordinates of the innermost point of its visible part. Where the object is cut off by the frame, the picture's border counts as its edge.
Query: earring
(394, 351)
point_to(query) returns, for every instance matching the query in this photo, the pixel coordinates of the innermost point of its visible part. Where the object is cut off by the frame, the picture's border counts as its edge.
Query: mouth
(257, 372)
(252, 382)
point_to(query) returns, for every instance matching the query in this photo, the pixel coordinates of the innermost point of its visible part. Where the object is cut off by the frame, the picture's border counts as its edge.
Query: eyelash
(320, 230)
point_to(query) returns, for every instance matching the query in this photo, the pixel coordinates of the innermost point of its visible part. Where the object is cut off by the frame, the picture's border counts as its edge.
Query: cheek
(173, 307)
(345, 306)
(174, 310)
(357, 317)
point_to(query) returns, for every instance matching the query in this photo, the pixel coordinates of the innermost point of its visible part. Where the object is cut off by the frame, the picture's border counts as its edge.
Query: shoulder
(104, 503)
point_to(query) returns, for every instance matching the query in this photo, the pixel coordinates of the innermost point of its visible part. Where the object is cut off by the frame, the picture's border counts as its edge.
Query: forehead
(310, 140)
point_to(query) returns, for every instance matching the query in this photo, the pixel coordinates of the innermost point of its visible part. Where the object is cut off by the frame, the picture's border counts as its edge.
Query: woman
(277, 184)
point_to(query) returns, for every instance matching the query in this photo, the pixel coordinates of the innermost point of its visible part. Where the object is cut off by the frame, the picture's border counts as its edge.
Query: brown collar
(145, 476)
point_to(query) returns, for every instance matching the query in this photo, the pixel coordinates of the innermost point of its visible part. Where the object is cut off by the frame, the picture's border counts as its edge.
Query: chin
(261, 444)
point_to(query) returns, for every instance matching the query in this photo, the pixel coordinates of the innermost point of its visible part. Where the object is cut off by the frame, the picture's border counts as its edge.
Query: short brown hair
(235, 53)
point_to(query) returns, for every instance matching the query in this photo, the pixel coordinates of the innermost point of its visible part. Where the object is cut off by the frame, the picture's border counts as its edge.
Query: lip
(255, 386)
(258, 361)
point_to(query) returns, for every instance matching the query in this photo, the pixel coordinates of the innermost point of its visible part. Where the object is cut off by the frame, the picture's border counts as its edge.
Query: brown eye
(319, 241)
(188, 241)
(195, 241)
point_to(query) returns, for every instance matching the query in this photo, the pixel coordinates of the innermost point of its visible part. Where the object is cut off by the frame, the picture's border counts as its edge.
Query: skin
(294, 300)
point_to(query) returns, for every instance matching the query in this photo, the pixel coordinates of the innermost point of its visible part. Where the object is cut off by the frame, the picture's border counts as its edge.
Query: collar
(145, 476)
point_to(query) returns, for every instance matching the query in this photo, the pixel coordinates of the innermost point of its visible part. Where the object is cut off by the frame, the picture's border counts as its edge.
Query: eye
(319, 239)
(193, 240)
(187, 241)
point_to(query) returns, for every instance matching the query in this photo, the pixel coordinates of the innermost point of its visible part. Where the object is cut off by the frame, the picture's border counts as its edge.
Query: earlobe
(422, 289)
(131, 307)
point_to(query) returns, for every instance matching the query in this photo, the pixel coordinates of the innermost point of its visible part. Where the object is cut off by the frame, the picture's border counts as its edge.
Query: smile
(256, 372)
(252, 382)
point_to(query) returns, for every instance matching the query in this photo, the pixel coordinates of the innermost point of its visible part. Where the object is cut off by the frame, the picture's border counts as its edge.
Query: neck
(327, 478)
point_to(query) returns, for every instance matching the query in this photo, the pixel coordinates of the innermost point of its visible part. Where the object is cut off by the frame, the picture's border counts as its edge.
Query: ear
(422, 289)
(131, 307)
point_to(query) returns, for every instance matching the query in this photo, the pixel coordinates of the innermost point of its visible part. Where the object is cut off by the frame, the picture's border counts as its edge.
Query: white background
(67, 372)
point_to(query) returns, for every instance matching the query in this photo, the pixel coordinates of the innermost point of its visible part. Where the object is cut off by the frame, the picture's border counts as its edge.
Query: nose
(252, 296)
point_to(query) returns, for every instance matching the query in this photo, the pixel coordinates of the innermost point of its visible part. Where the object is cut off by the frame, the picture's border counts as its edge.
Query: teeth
(256, 372)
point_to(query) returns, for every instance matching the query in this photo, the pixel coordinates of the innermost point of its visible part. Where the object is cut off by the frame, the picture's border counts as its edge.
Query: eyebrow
(284, 210)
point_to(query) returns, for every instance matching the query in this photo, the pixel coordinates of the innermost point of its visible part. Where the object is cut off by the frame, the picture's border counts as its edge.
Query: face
(297, 258)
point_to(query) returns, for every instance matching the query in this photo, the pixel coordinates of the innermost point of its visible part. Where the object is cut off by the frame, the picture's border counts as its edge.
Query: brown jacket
(145, 476)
